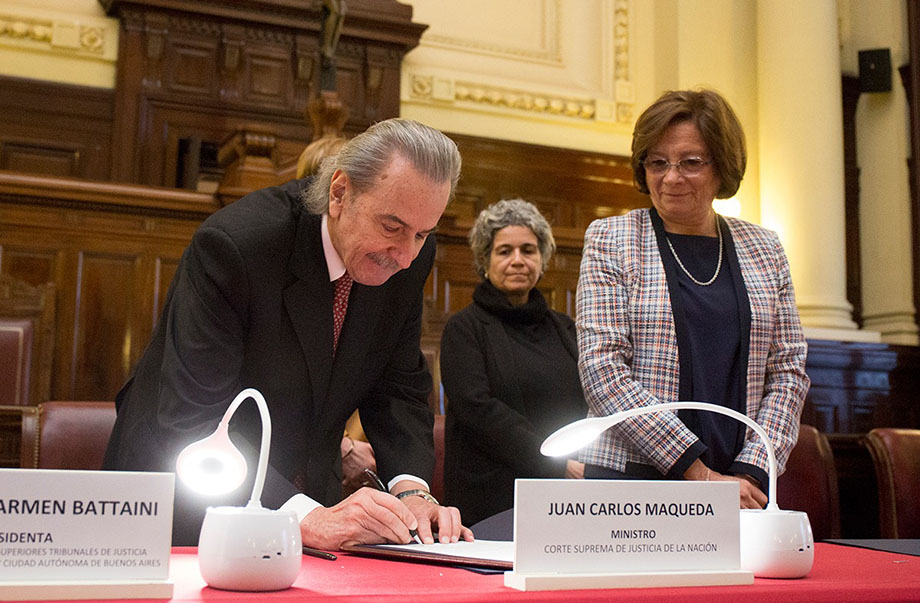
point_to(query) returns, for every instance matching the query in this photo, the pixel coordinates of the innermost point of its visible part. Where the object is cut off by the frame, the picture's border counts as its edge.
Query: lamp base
(249, 548)
(776, 543)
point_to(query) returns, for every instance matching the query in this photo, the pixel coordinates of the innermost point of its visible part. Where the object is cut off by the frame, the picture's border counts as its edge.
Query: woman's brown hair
(717, 123)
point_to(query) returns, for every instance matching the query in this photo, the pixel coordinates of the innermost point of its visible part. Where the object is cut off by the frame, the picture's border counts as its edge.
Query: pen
(318, 553)
(372, 475)
(375, 480)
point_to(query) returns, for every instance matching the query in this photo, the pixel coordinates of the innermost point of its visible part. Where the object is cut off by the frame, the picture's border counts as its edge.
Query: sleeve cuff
(754, 471)
(686, 459)
(403, 476)
(301, 504)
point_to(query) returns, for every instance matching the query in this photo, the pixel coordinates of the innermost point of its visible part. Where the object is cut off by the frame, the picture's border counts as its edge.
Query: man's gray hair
(509, 212)
(364, 157)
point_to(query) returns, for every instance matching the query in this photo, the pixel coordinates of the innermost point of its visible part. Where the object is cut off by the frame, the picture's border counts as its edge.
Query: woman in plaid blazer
(678, 303)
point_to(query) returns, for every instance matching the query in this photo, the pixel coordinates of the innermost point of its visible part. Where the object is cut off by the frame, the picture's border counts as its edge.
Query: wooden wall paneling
(23, 237)
(30, 262)
(855, 387)
(454, 278)
(107, 297)
(68, 137)
(111, 251)
(564, 268)
(248, 64)
(268, 78)
(382, 70)
(131, 74)
(109, 291)
(571, 187)
(173, 121)
(41, 157)
(858, 386)
(349, 82)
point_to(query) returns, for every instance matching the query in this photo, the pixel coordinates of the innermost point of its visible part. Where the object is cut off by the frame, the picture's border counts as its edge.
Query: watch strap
(422, 493)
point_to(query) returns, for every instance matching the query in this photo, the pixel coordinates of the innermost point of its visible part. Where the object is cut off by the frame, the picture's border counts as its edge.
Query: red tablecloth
(839, 574)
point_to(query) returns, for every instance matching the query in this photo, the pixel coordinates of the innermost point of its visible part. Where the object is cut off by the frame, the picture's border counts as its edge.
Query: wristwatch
(423, 493)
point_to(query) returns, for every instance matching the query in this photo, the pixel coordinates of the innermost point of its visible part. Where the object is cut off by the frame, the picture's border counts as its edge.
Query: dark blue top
(713, 339)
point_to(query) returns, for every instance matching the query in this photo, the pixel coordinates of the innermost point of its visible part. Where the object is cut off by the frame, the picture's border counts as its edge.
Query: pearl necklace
(687, 272)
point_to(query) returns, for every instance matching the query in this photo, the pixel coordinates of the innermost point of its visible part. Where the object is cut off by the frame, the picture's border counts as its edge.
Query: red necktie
(340, 307)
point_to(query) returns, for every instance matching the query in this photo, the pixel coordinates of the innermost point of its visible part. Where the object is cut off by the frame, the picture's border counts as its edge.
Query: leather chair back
(66, 435)
(896, 456)
(26, 342)
(810, 483)
(17, 337)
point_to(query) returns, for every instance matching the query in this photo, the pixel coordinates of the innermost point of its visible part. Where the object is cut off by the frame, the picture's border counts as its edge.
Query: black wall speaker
(875, 70)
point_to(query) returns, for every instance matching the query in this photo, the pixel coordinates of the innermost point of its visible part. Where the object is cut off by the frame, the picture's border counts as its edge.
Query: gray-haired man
(251, 305)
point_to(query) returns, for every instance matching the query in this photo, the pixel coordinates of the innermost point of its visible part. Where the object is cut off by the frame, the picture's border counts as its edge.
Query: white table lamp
(774, 543)
(240, 548)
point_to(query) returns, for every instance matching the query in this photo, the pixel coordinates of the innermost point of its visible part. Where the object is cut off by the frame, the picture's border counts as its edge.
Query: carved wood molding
(427, 87)
(201, 70)
(385, 21)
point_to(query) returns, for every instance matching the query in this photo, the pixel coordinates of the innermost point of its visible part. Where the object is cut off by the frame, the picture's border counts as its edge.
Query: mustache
(383, 260)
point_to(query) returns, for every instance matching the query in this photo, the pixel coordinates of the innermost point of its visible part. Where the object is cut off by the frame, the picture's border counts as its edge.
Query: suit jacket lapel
(309, 305)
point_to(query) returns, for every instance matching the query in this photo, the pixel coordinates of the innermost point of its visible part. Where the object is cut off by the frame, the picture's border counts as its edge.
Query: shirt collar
(333, 261)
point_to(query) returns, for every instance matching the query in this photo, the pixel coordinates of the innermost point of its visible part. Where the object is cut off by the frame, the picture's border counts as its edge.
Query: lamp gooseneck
(262, 467)
(579, 434)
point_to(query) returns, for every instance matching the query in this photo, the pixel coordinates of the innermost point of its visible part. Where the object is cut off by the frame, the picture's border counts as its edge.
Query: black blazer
(251, 306)
(489, 440)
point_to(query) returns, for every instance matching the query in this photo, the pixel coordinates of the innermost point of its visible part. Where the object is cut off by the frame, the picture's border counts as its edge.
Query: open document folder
(491, 554)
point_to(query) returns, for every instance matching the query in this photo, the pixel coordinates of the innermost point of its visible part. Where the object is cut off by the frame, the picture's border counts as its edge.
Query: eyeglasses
(691, 166)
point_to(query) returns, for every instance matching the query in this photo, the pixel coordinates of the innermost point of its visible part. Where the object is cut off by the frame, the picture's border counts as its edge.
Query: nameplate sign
(84, 525)
(625, 526)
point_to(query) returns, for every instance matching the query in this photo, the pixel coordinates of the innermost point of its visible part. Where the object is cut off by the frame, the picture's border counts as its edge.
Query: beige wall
(478, 60)
(551, 72)
(69, 41)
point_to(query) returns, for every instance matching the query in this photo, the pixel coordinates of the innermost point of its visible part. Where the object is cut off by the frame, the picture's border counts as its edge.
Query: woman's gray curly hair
(509, 212)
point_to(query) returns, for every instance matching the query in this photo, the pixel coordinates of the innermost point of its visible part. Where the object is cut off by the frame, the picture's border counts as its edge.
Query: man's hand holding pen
(374, 481)
(429, 514)
(368, 516)
(374, 516)
(427, 511)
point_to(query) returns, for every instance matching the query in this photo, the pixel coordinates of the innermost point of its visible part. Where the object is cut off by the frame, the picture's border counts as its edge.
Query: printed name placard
(84, 525)
(608, 526)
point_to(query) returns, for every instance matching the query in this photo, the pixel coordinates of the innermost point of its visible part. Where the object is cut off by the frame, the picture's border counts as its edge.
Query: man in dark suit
(251, 305)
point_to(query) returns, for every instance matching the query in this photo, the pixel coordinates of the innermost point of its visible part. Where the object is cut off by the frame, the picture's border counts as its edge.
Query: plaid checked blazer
(628, 353)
